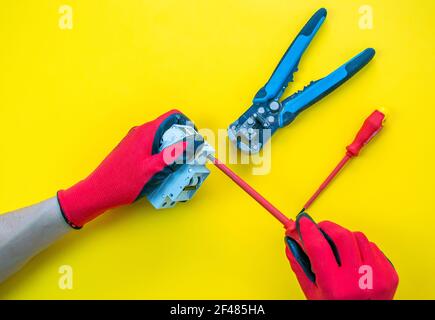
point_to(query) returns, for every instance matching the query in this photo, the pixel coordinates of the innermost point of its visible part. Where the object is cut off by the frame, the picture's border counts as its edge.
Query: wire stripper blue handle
(288, 65)
(315, 91)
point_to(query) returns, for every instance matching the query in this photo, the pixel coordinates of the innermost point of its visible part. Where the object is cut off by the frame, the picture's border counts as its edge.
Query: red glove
(134, 165)
(330, 262)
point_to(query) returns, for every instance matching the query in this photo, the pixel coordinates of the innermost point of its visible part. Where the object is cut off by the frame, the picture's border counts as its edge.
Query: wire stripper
(267, 113)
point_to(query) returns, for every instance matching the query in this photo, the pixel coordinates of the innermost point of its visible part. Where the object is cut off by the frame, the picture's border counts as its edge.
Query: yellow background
(68, 96)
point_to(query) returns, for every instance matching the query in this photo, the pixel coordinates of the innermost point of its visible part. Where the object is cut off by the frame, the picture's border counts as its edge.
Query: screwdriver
(252, 192)
(371, 127)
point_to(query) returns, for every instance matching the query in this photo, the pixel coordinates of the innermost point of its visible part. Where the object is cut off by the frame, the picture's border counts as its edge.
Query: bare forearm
(26, 232)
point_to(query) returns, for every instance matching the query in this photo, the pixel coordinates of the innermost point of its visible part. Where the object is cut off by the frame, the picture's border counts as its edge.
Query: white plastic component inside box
(182, 184)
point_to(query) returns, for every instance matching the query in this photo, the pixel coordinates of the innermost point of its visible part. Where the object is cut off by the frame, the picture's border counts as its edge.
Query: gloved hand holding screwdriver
(331, 262)
(325, 258)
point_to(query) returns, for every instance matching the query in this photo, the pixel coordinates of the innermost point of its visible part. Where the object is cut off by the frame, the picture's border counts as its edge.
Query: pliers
(267, 113)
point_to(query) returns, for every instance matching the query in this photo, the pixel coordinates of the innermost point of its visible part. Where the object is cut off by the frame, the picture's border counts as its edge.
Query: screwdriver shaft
(327, 181)
(251, 191)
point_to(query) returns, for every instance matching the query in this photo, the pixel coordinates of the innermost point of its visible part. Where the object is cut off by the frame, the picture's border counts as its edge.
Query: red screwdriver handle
(372, 125)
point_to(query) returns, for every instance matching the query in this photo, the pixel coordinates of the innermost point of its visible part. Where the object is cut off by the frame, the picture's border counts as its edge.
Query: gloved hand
(331, 262)
(134, 165)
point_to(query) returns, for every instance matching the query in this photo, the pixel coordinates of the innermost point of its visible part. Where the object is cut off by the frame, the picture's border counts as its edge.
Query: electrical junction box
(182, 184)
